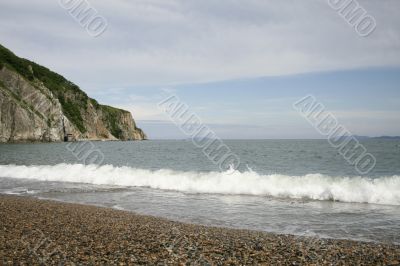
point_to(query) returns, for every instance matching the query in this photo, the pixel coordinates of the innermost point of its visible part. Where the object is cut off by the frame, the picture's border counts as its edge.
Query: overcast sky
(239, 64)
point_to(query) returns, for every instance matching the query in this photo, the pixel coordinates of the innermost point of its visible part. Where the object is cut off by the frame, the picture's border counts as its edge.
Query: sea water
(300, 187)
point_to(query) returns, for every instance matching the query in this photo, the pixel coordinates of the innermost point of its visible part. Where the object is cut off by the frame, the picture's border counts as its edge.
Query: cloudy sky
(238, 64)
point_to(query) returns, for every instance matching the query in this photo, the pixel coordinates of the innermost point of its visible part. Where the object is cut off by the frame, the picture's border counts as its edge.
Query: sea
(298, 187)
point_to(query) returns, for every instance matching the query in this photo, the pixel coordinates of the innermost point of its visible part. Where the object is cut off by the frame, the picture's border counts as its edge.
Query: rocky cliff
(37, 104)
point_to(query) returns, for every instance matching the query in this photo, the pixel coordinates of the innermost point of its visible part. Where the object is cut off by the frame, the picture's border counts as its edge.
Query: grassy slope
(61, 87)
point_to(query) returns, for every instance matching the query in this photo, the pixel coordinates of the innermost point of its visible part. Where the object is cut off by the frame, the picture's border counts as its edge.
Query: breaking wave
(384, 190)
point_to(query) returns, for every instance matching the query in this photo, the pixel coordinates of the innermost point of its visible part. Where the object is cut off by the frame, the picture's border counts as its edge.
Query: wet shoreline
(41, 231)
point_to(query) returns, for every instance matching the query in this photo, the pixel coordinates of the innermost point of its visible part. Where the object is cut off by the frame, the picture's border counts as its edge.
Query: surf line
(201, 135)
(338, 136)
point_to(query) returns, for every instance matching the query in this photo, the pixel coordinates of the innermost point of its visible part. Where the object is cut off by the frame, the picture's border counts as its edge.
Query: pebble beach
(35, 232)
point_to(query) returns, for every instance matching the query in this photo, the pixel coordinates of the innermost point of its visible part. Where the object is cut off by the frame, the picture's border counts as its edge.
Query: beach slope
(37, 231)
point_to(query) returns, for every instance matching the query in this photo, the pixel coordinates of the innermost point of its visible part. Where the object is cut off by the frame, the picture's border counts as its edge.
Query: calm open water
(301, 187)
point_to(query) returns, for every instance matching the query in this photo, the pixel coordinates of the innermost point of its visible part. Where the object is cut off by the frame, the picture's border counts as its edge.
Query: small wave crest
(384, 190)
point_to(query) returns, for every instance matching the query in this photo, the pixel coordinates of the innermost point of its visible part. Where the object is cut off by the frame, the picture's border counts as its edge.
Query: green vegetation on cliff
(111, 116)
(73, 100)
(56, 83)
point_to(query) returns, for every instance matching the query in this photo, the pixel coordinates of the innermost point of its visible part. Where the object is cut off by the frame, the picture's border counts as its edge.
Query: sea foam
(384, 190)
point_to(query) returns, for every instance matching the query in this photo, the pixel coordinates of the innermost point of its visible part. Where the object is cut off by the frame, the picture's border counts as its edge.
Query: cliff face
(37, 104)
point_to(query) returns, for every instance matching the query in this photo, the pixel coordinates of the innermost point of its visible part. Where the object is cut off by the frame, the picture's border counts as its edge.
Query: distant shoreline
(360, 138)
(35, 230)
(76, 141)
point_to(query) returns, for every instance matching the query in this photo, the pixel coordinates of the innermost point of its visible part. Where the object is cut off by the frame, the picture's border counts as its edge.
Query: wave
(384, 190)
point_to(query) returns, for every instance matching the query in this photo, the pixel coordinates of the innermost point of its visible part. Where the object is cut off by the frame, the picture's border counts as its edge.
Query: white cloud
(179, 41)
(144, 111)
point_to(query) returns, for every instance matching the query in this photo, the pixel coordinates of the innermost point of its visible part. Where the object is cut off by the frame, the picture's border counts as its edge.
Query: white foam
(384, 190)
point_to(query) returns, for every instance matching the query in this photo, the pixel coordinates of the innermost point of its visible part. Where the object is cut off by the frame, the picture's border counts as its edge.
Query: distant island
(37, 104)
(381, 137)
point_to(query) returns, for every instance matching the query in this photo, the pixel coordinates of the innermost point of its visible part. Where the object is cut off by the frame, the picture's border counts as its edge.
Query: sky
(239, 65)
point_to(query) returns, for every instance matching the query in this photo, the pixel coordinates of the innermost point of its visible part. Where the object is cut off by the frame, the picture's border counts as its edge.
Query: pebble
(40, 232)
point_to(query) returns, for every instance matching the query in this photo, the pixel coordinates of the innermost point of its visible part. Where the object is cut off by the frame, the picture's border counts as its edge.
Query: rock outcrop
(37, 104)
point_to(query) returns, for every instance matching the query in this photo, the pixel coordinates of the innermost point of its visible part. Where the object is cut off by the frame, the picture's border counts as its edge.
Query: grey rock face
(30, 112)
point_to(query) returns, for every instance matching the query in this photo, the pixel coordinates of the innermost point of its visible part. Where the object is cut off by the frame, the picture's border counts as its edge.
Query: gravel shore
(45, 232)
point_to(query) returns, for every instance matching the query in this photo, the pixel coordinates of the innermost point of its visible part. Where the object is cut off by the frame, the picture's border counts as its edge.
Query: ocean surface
(300, 187)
